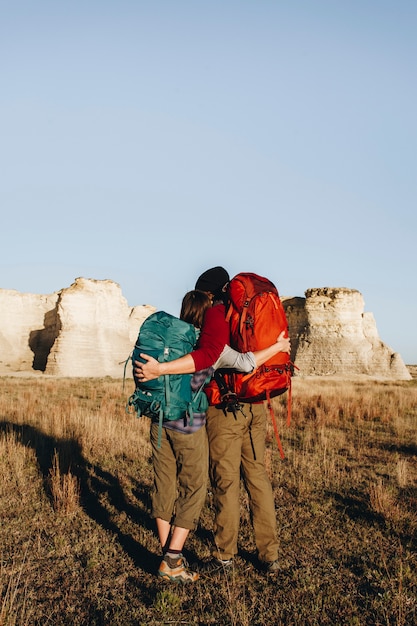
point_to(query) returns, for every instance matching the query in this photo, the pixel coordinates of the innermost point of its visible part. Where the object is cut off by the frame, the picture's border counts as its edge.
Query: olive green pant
(180, 476)
(237, 448)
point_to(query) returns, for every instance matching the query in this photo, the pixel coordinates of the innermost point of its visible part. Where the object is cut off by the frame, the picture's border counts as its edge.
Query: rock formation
(23, 334)
(332, 335)
(86, 330)
(89, 330)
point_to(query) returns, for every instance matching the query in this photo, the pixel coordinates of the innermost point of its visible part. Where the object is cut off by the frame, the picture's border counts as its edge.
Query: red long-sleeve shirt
(214, 336)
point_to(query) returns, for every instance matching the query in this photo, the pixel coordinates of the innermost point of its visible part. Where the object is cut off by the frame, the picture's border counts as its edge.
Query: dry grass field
(77, 546)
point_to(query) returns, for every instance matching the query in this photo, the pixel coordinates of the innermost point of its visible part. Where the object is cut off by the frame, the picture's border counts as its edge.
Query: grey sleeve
(231, 359)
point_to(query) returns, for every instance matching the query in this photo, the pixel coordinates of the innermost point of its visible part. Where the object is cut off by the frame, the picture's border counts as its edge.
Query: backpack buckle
(230, 404)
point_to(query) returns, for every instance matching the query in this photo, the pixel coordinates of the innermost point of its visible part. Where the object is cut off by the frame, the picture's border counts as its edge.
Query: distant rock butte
(89, 330)
(331, 335)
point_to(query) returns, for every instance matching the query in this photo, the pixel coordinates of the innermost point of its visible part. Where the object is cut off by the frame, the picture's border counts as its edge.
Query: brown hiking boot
(176, 570)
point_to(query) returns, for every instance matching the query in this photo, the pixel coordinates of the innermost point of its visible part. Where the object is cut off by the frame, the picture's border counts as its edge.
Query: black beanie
(213, 280)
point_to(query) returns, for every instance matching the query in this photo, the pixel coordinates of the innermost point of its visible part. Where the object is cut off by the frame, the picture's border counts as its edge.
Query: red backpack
(256, 317)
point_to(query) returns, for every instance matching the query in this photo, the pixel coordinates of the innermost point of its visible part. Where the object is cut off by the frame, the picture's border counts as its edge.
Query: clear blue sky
(147, 141)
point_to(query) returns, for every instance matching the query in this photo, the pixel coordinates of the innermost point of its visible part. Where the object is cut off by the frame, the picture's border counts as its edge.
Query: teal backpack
(170, 397)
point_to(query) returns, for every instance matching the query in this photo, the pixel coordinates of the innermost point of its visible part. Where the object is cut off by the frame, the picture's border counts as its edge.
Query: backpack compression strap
(161, 412)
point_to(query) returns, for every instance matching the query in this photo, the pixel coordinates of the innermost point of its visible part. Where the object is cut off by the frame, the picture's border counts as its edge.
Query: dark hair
(194, 306)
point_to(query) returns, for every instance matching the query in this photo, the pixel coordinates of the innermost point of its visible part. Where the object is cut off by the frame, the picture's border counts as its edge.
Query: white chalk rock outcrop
(332, 335)
(22, 317)
(86, 330)
(95, 330)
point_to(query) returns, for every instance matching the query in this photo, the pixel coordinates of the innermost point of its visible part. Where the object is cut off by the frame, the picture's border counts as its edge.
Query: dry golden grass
(65, 489)
(77, 545)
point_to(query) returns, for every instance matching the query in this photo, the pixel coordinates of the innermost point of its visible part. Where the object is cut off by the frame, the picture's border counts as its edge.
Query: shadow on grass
(405, 449)
(357, 508)
(94, 484)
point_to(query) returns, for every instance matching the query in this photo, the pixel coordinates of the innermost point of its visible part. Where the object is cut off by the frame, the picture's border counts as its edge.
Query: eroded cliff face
(89, 330)
(332, 335)
(25, 330)
(86, 330)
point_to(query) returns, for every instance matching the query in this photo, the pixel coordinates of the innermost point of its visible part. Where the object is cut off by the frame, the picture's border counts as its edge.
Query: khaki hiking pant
(180, 476)
(237, 447)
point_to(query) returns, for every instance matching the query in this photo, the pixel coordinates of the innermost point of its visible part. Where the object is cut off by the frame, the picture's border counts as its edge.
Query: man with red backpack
(236, 441)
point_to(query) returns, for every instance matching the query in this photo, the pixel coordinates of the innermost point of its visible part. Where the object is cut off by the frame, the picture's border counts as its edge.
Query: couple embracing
(224, 445)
